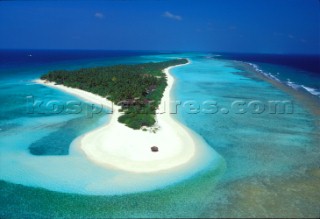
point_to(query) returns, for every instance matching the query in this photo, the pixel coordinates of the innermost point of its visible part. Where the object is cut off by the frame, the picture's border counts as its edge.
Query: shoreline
(117, 146)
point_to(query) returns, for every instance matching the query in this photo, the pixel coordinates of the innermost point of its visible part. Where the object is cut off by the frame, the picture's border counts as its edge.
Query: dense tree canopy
(137, 88)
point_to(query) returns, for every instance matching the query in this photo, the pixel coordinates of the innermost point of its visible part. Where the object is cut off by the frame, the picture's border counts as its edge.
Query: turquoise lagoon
(269, 163)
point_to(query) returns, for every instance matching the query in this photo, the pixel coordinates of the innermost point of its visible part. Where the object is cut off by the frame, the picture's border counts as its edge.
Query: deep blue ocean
(269, 165)
(14, 58)
(310, 63)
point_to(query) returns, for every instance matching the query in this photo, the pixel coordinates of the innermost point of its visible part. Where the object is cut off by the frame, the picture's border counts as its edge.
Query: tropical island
(138, 89)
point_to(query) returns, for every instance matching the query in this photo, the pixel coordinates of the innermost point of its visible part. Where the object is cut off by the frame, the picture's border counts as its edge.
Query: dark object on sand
(154, 149)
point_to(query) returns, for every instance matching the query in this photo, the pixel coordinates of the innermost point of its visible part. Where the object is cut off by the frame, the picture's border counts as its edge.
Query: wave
(267, 74)
(289, 83)
(311, 90)
(293, 85)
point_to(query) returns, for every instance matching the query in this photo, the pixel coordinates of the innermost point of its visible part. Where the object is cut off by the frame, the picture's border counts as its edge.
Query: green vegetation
(138, 89)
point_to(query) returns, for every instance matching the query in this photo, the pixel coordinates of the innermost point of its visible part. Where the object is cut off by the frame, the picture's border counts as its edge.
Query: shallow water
(270, 163)
(37, 140)
(263, 152)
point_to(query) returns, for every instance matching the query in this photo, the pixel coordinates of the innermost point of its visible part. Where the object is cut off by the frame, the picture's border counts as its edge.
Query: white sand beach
(116, 146)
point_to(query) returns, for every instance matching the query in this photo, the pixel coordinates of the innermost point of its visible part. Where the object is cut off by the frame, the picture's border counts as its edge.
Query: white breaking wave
(267, 74)
(311, 90)
(293, 85)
